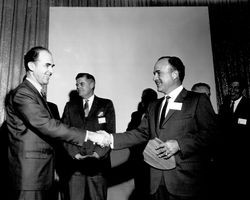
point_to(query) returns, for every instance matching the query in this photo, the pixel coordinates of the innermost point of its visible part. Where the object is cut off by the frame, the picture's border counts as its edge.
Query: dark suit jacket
(236, 121)
(235, 129)
(54, 110)
(31, 131)
(193, 127)
(101, 117)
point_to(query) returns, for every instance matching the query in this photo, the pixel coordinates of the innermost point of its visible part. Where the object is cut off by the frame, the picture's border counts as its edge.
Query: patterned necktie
(43, 93)
(163, 112)
(86, 108)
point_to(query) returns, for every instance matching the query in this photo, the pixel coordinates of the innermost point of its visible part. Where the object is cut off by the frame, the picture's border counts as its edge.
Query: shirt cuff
(87, 136)
(112, 141)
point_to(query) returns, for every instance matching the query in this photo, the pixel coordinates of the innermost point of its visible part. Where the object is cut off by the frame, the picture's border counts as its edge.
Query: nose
(50, 69)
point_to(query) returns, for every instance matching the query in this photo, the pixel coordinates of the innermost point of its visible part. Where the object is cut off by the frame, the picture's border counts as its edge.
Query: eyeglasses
(81, 84)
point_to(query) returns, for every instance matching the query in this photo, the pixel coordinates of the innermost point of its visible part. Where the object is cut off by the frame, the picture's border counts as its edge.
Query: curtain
(230, 31)
(23, 24)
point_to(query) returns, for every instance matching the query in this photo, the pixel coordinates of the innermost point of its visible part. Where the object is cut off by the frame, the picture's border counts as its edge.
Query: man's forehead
(81, 79)
(162, 64)
(45, 55)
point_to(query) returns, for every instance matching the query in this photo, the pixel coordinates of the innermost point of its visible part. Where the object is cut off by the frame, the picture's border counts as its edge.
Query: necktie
(86, 108)
(43, 93)
(163, 112)
(232, 107)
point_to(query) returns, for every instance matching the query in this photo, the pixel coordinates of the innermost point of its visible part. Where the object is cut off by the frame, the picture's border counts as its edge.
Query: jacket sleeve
(35, 115)
(199, 136)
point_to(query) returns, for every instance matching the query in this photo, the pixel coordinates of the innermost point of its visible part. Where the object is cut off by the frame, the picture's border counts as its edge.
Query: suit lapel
(240, 106)
(157, 114)
(94, 106)
(80, 109)
(31, 87)
(178, 99)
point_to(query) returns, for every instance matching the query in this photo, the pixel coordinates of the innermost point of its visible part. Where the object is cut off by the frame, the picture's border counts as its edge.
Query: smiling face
(165, 77)
(235, 90)
(42, 68)
(85, 87)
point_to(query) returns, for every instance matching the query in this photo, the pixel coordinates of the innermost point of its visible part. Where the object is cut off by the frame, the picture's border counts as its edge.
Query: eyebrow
(156, 71)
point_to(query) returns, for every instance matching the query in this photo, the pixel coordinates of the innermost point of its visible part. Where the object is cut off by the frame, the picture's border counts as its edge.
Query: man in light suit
(234, 118)
(32, 131)
(186, 131)
(88, 177)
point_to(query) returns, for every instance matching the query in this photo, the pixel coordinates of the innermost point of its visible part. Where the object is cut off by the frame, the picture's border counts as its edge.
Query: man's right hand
(101, 138)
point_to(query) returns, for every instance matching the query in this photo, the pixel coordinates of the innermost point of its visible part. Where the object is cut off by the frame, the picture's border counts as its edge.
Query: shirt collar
(238, 100)
(173, 94)
(35, 84)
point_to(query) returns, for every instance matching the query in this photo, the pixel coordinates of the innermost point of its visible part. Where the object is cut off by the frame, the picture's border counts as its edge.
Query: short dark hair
(177, 64)
(86, 75)
(32, 55)
(200, 84)
(149, 95)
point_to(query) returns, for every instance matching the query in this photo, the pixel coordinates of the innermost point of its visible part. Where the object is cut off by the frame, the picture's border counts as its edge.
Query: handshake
(101, 138)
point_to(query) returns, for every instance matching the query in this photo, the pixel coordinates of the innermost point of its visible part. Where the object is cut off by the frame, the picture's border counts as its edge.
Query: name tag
(242, 121)
(175, 106)
(101, 120)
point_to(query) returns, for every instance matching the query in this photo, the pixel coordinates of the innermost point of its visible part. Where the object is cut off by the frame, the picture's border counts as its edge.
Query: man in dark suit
(234, 118)
(136, 162)
(186, 129)
(32, 131)
(201, 88)
(88, 177)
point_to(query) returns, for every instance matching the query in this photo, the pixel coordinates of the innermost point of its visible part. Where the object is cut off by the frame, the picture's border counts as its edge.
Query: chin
(159, 89)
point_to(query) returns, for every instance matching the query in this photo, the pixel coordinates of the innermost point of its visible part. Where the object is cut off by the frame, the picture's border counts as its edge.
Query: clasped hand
(101, 138)
(167, 149)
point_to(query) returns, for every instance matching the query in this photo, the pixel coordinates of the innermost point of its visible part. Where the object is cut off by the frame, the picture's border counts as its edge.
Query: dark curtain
(23, 24)
(230, 34)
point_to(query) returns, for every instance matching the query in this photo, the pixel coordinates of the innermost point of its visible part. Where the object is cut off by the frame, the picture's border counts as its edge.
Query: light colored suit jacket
(193, 127)
(32, 132)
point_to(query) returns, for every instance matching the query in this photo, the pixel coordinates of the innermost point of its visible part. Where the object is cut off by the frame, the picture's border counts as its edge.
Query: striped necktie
(43, 93)
(86, 108)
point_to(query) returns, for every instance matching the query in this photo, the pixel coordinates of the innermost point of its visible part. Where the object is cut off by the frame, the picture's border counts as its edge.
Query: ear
(92, 84)
(175, 74)
(31, 66)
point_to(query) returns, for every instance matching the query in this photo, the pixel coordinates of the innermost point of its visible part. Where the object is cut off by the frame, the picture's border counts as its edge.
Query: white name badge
(175, 106)
(101, 120)
(242, 121)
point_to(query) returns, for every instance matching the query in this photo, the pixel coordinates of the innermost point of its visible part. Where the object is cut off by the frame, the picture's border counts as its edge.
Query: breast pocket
(180, 124)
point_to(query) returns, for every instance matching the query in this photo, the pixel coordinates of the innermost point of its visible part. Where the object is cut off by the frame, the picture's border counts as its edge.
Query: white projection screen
(120, 46)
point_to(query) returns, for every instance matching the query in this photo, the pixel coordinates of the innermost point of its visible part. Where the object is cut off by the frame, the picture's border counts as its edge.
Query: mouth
(158, 84)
